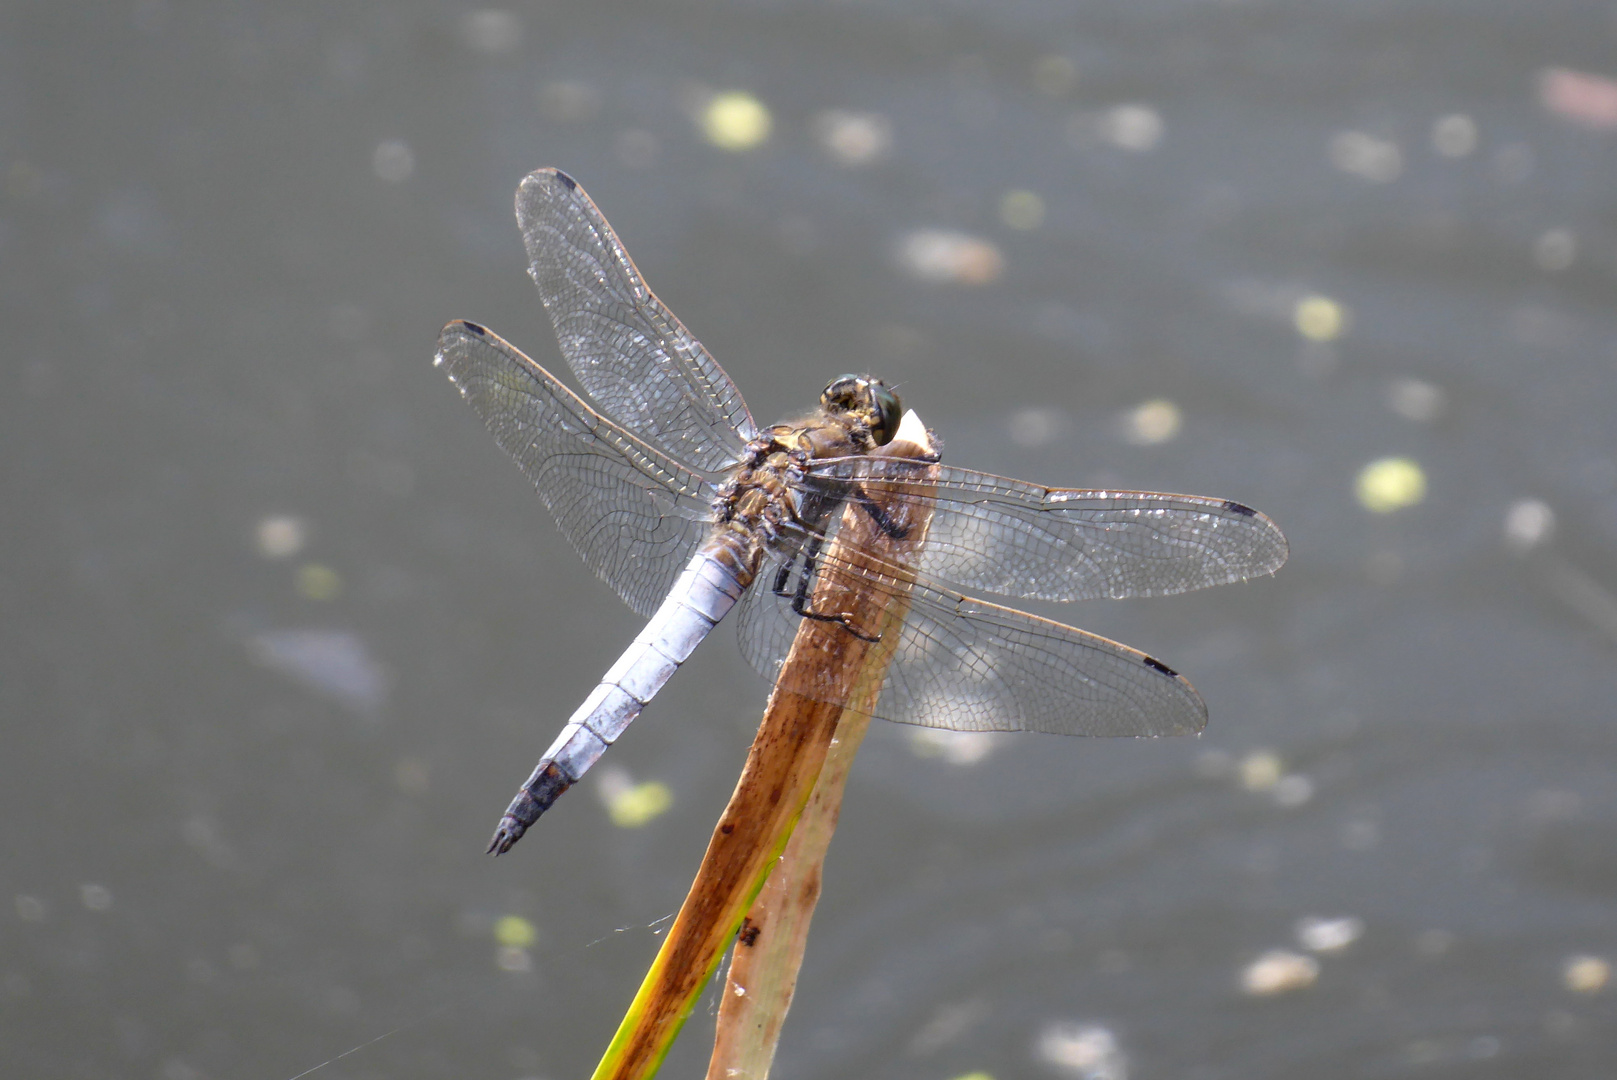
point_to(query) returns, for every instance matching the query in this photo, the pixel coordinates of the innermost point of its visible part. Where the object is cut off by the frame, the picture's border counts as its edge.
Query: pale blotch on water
(1586, 974)
(1585, 99)
(515, 931)
(1415, 399)
(1319, 318)
(491, 30)
(735, 121)
(1390, 484)
(280, 536)
(853, 138)
(1132, 127)
(30, 908)
(628, 804)
(1021, 209)
(947, 257)
(569, 101)
(1085, 1051)
(1055, 75)
(335, 663)
(1528, 523)
(95, 897)
(316, 581)
(1319, 934)
(1279, 971)
(1293, 789)
(1454, 136)
(1360, 834)
(515, 936)
(1363, 155)
(1555, 250)
(412, 776)
(393, 161)
(637, 148)
(1038, 425)
(1152, 422)
(1260, 770)
(954, 747)
(513, 959)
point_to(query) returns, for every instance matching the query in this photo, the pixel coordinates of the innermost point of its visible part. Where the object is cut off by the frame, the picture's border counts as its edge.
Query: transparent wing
(968, 665)
(632, 355)
(634, 514)
(1018, 539)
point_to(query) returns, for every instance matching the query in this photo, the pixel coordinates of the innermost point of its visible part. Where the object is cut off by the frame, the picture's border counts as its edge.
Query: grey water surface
(281, 630)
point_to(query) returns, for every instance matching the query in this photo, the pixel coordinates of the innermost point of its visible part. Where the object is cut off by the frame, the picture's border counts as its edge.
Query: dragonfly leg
(800, 597)
(894, 530)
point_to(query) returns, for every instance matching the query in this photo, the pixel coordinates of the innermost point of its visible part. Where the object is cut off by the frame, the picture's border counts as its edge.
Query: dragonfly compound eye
(888, 412)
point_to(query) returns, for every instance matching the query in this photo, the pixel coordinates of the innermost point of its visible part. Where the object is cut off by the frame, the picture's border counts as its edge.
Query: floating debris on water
(491, 31)
(1586, 100)
(515, 931)
(853, 138)
(1038, 425)
(1528, 523)
(393, 161)
(631, 805)
(1155, 421)
(735, 120)
(1021, 210)
(569, 101)
(1390, 484)
(1260, 770)
(280, 536)
(1555, 250)
(1055, 75)
(412, 776)
(1086, 1051)
(637, 148)
(318, 582)
(1586, 974)
(1319, 318)
(1365, 156)
(1325, 935)
(1293, 789)
(1415, 399)
(335, 663)
(943, 256)
(1279, 971)
(1132, 127)
(1454, 136)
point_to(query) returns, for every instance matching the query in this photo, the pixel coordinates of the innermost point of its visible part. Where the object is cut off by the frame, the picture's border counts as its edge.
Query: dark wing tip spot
(1157, 665)
(474, 328)
(1239, 508)
(572, 185)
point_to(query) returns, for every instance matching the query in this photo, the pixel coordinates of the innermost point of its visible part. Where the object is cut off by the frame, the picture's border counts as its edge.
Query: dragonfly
(677, 500)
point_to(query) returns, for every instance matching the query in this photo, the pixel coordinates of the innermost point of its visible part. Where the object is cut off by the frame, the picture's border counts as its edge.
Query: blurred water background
(282, 629)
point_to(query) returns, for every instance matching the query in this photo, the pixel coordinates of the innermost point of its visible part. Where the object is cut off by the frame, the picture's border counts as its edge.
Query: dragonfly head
(866, 398)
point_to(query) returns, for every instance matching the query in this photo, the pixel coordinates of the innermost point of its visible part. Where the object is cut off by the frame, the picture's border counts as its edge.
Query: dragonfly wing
(642, 367)
(1017, 539)
(968, 665)
(633, 513)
